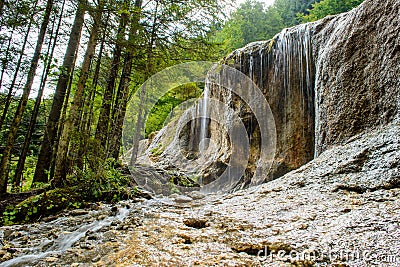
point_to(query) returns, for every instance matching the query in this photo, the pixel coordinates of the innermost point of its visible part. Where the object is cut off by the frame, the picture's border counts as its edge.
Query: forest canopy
(253, 21)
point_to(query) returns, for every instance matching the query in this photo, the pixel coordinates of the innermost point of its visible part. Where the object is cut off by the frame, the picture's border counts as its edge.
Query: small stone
(85, 245)
(7, 256)
(78, 212)
(96, 259)
(101, 217)
(196, 195)
(198, 223)
(51, 259)
(8, 232)
(183, 199)
(11, 249)
(303, 226)
(17, 234)
(2, 253)
(346, 210)
(174, 195)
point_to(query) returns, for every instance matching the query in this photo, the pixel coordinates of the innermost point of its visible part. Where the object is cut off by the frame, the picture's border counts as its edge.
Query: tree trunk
(1, 7)
(5, 60)
(142, 96)
(89, 105)
(75, 111)
(123, 90)
(7, 102)
(44, 159)
(60, 125)
(24, 99)
(35, 112)
(104, 118)
(95, 83)
(17, 68)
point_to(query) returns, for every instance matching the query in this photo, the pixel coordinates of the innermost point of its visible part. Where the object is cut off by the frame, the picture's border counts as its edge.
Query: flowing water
(204, 120)
(64, 241)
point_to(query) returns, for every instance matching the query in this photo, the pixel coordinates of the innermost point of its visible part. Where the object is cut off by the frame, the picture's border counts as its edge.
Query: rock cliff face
(284, 69)
(325, 82)
(357, 74)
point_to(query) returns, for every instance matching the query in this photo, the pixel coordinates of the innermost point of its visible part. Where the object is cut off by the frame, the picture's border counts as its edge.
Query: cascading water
(64, 242)
(204, 119)
(251, 63)
(261, 53)
(193, 113)
(283, 69)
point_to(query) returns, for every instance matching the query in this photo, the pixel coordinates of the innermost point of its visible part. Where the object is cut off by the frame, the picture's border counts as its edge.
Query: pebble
(96, 259)
(51, 259)
(78, 212)
(196, 195)
(182, 199)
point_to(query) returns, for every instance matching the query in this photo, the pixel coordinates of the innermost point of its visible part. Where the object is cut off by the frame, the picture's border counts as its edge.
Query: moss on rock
(56, 200)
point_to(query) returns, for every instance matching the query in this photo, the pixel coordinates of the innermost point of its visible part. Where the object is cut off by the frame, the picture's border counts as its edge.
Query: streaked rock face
(358, 70)
(284, 70)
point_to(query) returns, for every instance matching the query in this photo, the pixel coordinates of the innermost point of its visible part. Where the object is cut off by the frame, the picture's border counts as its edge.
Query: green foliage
(250, 22)
(103, 180)
(328, 7)
(39, 127)
(166, 104)
(157, 151)
(44, 204)
(288, 10)
(27, 174)
(106, 184)
(18, 13)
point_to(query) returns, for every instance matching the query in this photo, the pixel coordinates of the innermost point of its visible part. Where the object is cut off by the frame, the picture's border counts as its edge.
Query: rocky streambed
(341, 209)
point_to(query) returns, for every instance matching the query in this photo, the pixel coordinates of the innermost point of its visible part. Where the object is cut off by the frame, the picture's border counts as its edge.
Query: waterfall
(251, 64)
(299, 73)
(203, 119)
(284, 70)
(261, 52)
(192, 139)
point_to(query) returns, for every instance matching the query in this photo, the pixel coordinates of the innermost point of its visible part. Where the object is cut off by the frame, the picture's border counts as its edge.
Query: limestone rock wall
(357, 73)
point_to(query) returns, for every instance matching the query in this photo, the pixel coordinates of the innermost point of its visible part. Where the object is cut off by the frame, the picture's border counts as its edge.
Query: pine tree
(46, 150)
(24, 99)
(75, 112)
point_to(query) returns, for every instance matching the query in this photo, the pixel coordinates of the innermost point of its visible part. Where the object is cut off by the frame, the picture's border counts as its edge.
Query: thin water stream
(64, 241)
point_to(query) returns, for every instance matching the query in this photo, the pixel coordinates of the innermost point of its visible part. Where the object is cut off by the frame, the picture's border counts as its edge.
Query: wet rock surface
(342, 209)
(358, 68)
